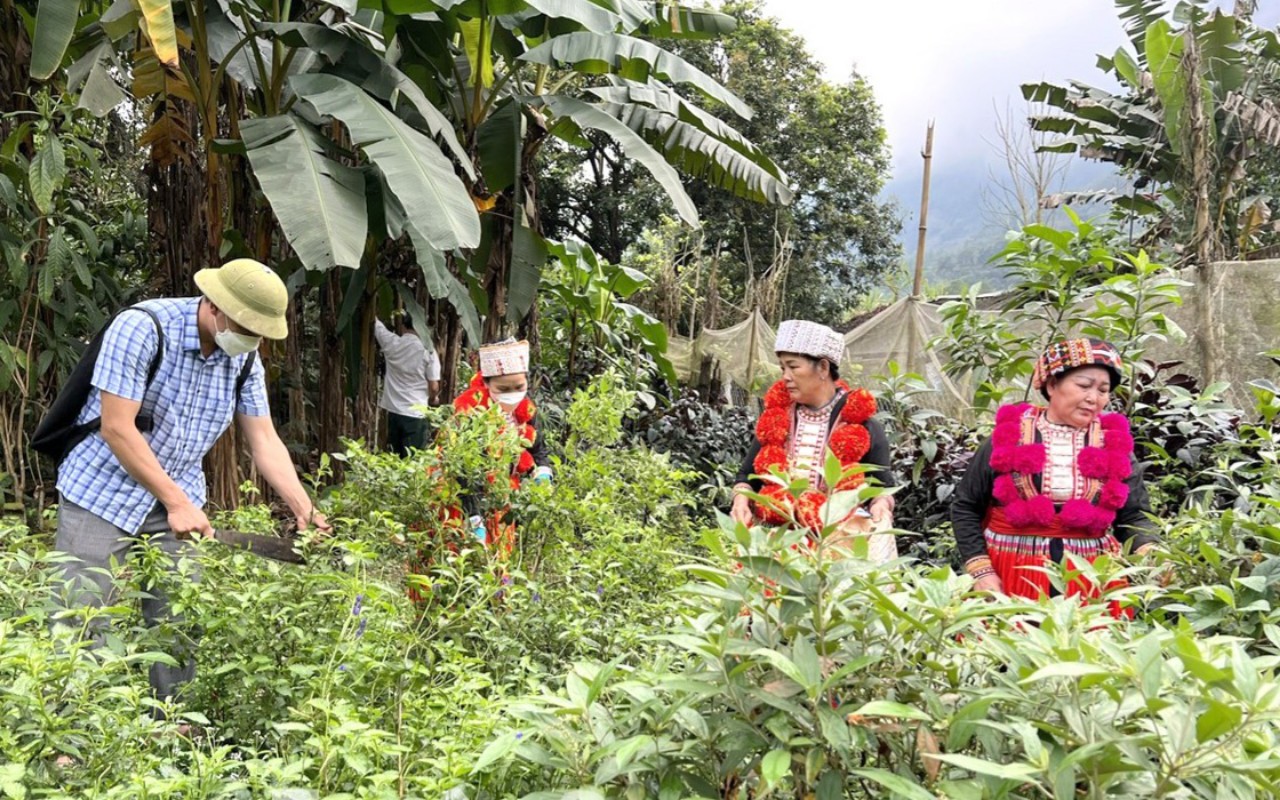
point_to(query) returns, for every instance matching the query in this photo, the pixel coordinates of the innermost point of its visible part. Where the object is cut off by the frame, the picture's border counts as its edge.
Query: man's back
(409, 368)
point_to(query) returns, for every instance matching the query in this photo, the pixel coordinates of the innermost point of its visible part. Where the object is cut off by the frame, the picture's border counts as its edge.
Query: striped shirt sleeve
(253, 400)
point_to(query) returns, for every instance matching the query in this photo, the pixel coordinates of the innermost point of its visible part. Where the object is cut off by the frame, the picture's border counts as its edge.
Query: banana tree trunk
(331, 405)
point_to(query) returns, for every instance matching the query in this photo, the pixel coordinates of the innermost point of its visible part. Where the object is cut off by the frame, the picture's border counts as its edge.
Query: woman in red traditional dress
(806, 414)
(503, 380)
(1053, 481)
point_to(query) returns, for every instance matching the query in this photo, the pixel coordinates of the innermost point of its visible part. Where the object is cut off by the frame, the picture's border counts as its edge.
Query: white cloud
(949, 60)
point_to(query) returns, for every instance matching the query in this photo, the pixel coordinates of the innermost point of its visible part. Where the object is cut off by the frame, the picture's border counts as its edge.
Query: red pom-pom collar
(850, 442)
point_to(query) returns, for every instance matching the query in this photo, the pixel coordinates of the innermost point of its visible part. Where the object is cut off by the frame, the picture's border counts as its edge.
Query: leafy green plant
(1064, 282)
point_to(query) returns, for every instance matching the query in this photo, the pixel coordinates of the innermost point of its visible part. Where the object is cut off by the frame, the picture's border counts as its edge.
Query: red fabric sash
(997, 522)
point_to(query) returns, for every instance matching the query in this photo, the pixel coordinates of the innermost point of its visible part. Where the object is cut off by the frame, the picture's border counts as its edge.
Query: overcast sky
(950, 60)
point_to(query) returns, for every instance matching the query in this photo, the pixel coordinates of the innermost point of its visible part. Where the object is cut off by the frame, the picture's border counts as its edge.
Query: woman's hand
(741, 509)
(1149, 554)
(989, 583)
(881, 509)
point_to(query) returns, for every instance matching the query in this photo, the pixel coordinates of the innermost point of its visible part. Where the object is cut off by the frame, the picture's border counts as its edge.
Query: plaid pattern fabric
(190, 401)
(1060, 357)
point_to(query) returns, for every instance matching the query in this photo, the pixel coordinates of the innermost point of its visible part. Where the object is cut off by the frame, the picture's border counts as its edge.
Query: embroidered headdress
(809, 339)
(1060, 358)
(507, 357)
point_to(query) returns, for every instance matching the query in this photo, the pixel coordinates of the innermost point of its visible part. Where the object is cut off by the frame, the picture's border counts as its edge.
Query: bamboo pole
(927, 155)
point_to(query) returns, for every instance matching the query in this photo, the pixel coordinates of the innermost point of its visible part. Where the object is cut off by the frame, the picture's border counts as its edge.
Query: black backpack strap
(144, 420)
(155, 360)
(244, 375)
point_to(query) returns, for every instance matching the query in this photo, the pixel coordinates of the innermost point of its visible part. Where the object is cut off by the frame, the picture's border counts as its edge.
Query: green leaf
(899, 785)
(120, 20)
(585, 115)
(47, 172)
(444, 285)
(91, 75)
(477, 43)
(528, 256)
(682, 22)
(700, 154)
(1164, 55)
(418, 174)
(775, 766)
(887, 708)
(354, 61)
(1217, 720)
(56, 263)
(628, 57)
(500, 141)
(55, 24)
(1066, 669)
(319, 202)
(587, 14)
(982, 767)
(497, 750)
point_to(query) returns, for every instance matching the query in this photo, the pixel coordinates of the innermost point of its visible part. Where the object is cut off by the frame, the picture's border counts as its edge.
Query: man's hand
(313, 519)
(185, 518)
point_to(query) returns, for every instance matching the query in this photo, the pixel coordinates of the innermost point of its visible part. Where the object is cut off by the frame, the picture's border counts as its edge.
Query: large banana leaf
(91, 76)
(441, 283)
(695, 139)
(319, 202)
(418, 174)
(628, 57)
(157, 21)
(669, 102)
(702, 155)
(528, 257)
(585, 115)
(587, 14)
(55, 23)
(681, 22)
(1136, 16)
(358, 63)
(500, 143)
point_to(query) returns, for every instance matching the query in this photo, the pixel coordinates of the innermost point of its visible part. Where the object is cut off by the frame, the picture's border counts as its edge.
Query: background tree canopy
(837, 238)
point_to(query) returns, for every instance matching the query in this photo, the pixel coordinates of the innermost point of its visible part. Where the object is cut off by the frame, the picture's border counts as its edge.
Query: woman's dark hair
(833, 367)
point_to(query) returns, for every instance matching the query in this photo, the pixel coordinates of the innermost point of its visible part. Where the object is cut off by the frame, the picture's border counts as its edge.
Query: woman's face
(1078, 397)
(515, 383)
(805, 378)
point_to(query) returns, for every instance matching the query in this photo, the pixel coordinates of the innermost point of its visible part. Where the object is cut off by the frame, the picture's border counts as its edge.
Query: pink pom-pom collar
(1111, 464)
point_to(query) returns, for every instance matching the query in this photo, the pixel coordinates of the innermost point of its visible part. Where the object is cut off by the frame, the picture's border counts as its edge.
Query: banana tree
(1192, 117)
(514, 74)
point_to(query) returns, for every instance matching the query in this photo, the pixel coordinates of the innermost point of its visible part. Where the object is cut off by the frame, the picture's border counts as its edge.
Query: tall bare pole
(927, 155)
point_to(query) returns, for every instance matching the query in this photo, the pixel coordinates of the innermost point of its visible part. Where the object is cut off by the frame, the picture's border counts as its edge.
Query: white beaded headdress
(504, 358)
(809, 339)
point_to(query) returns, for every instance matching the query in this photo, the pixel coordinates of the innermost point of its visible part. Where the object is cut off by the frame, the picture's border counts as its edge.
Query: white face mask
(236, 344)
(510, 399)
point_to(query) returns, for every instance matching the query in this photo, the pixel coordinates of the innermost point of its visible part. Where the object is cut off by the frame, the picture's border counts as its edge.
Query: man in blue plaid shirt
(121, 484)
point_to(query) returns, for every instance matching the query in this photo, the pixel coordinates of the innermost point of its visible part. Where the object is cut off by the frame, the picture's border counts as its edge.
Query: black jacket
(878, 455)
(972, 500)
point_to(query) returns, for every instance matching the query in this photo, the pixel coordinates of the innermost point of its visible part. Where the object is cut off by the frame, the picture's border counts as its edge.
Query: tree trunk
(331, 405)
(1204, 235)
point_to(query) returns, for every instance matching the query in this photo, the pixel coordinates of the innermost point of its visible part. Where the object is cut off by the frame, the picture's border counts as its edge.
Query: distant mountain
(962, 233)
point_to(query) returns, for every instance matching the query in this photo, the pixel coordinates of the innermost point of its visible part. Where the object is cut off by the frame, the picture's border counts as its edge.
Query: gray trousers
(100, 548)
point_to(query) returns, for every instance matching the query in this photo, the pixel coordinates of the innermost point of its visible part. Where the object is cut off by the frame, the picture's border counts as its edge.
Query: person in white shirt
(411, 382)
